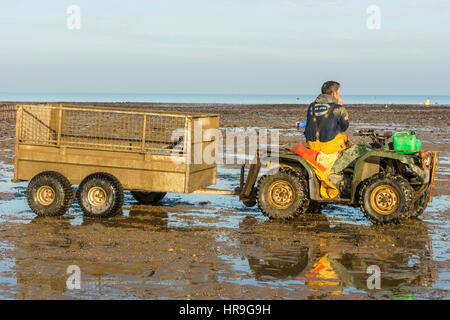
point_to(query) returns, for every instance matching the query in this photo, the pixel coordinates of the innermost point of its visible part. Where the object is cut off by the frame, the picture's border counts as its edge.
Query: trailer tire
(100, 195)
(148, 197)
(49, 194)
(283, 194)
(386, 198)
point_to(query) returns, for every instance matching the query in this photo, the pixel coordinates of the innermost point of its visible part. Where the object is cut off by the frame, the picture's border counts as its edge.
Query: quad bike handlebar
(378, 140)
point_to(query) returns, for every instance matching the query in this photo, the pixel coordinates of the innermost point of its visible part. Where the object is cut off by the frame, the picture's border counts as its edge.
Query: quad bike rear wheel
(148, 197)
(386, 198)
(283, 194)
(100, 195)
(49, 194)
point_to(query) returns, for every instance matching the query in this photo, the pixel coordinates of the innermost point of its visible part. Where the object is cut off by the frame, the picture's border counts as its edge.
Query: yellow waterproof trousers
(332, 148)
(338, 144)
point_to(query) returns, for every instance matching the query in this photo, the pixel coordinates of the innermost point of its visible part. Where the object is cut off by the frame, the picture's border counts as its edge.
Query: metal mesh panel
(102, 129)
(36, 125)
(165, 132)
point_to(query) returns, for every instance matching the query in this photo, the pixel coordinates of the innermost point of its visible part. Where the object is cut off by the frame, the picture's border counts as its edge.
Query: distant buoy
(427, 102)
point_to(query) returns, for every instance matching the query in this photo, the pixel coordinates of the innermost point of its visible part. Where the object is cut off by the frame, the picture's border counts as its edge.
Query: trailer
(107, 150)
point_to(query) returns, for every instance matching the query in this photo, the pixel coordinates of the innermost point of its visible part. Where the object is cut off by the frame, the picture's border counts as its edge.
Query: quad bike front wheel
(100, 195)
(419, 205)
(283, 194)
(148, 197)
(386, 198)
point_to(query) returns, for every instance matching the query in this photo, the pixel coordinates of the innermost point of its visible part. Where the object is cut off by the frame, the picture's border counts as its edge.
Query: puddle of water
(7, 276)
(327, 263)
(346, 214)
(16, 206)
(444, 160)
(249, 276)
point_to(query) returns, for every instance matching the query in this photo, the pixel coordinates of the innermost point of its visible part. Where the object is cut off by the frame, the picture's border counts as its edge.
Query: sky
(225, 46)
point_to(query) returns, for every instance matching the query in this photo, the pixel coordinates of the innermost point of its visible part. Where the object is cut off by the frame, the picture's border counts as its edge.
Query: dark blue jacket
(334, 122)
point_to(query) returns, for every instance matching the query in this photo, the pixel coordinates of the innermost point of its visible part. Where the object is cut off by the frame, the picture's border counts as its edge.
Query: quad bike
(388, 185)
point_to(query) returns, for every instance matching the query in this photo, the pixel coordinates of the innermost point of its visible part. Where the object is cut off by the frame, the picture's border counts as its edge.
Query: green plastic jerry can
(405, 140)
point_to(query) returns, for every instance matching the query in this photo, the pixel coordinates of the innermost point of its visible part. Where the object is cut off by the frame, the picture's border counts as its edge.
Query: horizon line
(252, 94)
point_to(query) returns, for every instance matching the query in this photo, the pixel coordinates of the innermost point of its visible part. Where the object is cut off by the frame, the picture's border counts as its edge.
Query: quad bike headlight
(427, 159)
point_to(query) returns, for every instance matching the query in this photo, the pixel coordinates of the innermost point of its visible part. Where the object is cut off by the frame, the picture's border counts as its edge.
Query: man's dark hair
(330, 86)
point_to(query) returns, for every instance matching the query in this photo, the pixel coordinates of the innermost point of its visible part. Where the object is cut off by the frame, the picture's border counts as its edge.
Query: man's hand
(341, 102)
(344, 114)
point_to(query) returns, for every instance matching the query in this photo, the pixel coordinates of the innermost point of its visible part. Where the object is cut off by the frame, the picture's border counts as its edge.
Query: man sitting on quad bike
(327, 121)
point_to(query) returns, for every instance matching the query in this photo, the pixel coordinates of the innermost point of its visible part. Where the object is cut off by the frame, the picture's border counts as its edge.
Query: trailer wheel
(148, 197)
(282, 195)
(100, 195)
(386, 198)
(49, 194)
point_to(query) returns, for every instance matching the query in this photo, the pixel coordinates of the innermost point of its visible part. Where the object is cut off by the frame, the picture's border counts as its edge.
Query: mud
(209, 247)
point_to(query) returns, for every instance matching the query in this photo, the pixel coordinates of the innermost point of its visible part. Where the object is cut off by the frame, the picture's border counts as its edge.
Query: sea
(219, 98)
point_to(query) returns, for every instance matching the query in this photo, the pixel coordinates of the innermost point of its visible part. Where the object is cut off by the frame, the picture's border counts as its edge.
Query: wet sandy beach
(213, 247)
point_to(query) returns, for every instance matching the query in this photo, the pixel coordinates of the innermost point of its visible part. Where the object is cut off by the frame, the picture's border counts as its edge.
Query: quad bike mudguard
(246, 188)
(291, 159)
(369, 164)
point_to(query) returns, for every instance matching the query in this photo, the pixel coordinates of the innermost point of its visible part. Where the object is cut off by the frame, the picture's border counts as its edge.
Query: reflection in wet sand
(335, 258)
